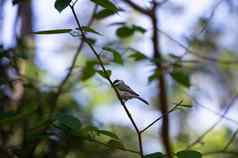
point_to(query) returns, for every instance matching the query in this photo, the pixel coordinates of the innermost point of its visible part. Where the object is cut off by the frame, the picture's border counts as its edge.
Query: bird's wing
(128, 89)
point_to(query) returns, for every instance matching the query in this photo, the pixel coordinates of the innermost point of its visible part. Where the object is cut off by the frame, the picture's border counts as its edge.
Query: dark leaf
(181, 77)
(36, 136)
(68, 121)
(89, 29)
(106, 74)
(57, 31)
(60, 5)
(115, 144)
(155, 75)
(139, 29)
(88, 70)
(189, 154)
(104, 13)
(116, 55)
(137, 55)
(155, 155)
(14, 2)
(124, 32)
(107, 4)
(91, 40)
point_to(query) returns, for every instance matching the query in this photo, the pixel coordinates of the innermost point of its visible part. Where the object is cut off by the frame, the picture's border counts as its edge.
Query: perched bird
(126, 92)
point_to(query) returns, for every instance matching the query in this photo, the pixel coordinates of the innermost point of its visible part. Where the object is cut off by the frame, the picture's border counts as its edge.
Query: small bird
(126, 92)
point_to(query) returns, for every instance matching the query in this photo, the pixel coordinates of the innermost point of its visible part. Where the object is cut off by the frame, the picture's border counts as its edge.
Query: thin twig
(235, 153)
(197, 54)
(215, 112)
(72, 65)
(231, 140)
(210, 17)
(137, 7)
(159, 118)
(109, 146)
(199, 139)
(109, 80)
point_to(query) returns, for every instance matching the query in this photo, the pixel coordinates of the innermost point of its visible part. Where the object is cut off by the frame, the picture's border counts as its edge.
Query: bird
(125, 92)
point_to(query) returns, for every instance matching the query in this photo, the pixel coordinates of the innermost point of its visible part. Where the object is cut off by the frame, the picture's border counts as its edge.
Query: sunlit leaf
(124, 32)
(106, 74)
(56, 31)
(108, 133)
(91, 30)
(181, 77)
(185, 105)
(189, 154)
(155, 155)
(60, 5)
(104, 13)
(107, 4)
(116, 55)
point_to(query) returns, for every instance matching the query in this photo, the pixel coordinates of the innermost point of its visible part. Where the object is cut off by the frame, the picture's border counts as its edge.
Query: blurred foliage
(42, 120)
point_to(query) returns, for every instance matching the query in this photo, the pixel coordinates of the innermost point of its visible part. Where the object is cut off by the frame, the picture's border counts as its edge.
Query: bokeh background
(209, 28)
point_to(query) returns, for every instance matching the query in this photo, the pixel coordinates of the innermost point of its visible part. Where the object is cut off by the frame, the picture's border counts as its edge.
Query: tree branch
(72, 65)
(84, 38)
(213, 126)
(119, 148)
(156, 120)
(232, 139)
(162, 83)
(137, 7)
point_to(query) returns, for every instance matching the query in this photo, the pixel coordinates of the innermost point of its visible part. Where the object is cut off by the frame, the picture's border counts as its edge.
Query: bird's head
(117, 82)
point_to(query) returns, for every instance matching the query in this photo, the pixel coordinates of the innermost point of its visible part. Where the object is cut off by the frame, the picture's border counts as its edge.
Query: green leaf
(2, 54)
(155, 75)
(124, 32)
(104, 13)
(106, 74)
(115, 144)
(68, 121)
(12, 117)
(107, 4)
(108, 133)
(181, 77)
(116, 55)
(60, 5)
(139, 29)
(185, 105)
(88, 70)
(155, 155)
(189, 154)
(91, 40)
(89, 29)
(36, 136)
(137, 55)
(6, 116)
(57, 31)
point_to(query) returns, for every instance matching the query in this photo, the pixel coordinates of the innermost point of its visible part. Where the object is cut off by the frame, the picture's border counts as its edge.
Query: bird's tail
(143, 100)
